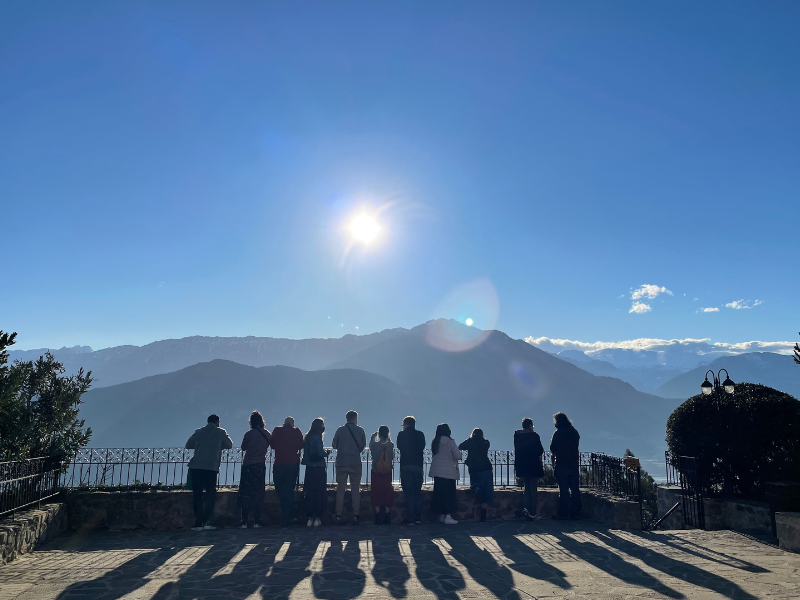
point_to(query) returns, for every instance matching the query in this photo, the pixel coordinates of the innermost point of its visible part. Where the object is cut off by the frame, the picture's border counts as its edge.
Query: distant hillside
(129, 363)
(775, 370)
(494, 385)
(164, 410)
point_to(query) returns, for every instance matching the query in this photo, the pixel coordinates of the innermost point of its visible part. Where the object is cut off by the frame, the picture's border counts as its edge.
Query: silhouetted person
(567, 458)
(528, 467)
(349, 441)
(481, 476)
(208, 443)
(382, 492)
(411, 444)
(444, 470)
(315, 490)
(254, 470)
(287, 442)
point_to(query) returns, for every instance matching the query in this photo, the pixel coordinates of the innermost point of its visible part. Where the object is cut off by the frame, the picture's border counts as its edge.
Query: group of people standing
(292, 449)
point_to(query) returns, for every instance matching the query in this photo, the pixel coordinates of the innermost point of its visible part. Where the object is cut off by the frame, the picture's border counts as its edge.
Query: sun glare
(364, 228)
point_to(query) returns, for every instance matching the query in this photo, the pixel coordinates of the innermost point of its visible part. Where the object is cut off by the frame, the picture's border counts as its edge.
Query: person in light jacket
(528, 467)
(254, 470)
(208, 443)
(444, 470)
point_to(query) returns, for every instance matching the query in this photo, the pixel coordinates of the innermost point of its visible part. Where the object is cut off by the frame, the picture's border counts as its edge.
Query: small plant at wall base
(745, 439)
(39, 407)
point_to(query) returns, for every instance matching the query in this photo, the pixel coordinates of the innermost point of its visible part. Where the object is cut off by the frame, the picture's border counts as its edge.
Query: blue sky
(174, 169)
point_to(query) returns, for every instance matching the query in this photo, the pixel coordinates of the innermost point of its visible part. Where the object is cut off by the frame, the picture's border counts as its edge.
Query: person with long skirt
(481, 476)
(315, 489)
(444, 470)
(254, 471)
(382, 450)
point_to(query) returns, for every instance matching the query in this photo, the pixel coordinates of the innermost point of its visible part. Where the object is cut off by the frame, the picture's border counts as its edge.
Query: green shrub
(740, 440)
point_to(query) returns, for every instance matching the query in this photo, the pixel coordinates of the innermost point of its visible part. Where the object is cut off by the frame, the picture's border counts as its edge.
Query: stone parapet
(29, 528)
(172, 509)
(787, 525)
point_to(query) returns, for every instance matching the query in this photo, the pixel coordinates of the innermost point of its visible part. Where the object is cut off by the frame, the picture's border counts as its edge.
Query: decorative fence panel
(24, 483)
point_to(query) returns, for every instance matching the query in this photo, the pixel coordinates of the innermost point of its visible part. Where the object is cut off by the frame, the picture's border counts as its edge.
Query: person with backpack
(411, 443)
(444, 470)
(481, 476)
(208, 443)
(315, 486)
(349, 441)
(382, 450)
(254, 471)
(567, 459)
(528, 467)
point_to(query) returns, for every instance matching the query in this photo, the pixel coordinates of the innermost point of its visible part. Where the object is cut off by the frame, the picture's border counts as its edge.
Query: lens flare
(465, 317)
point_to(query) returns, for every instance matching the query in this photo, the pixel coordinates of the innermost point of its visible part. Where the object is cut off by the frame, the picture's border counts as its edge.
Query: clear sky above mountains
(598, 171)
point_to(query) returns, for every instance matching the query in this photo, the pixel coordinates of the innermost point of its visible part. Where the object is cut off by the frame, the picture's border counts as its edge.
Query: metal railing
(148, 468)
(24, 483)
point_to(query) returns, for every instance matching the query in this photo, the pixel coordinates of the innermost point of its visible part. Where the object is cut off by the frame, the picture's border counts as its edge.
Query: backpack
(384, 465)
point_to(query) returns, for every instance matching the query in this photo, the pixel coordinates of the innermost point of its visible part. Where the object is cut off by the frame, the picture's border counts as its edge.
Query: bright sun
(364, 228)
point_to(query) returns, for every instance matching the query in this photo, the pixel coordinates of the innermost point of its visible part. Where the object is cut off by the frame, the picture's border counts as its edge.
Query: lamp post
(717, 388)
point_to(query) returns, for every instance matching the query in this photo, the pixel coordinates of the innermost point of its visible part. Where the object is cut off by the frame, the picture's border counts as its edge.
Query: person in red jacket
(287, 442)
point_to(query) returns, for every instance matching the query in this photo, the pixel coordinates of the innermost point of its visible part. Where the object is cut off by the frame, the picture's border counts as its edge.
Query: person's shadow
(483, 567)
(529, 563)
(340, 577)
(434, 572)
(293, 568)
(390, 571)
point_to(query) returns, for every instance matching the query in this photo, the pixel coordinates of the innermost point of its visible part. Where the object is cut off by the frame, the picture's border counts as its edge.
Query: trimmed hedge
(749, 438)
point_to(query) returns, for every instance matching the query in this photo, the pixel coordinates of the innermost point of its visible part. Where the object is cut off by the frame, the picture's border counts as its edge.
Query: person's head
(409, 422)
(256, 420)
(442, 430)
(383, 432)
(527, 423)
(560, 420)
(213, 419)
(317, 427)
(351, 416)
(477, 433)
(289, 421)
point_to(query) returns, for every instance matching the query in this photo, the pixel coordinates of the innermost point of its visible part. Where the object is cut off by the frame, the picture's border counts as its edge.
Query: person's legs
(341, 486)
(562, 479)
(574, 486)
(197, 497)
(210, 495)
(407, 482)
(534, 499)
(526, 493)
(416, 485)
(285, 477)
(244, 516)
(355, 489)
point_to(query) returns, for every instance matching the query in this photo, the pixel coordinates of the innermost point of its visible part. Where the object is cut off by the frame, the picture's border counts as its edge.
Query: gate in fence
(691, 493)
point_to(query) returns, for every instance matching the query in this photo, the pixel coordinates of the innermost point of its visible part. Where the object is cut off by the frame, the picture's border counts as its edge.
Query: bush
(740, 441)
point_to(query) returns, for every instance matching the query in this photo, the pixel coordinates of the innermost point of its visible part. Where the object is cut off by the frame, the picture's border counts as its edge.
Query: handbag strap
(264, 435)
(352, 435)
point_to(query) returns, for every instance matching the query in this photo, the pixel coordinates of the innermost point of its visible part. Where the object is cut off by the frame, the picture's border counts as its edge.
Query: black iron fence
(24, 483)
(139, 468)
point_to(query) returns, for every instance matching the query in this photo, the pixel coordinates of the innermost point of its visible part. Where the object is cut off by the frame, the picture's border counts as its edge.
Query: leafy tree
(39, 407)
(740, 441)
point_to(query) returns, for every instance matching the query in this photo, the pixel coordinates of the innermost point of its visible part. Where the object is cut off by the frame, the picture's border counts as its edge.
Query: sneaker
(310, 523)
(259, 525)
(317, 522)
(209, 528)
(407, 522)
(417, 522)
(197, 528)
(448, 520)
(536, 518)
(355, 520)
(526, 514)
(243, 526)
(339, 519)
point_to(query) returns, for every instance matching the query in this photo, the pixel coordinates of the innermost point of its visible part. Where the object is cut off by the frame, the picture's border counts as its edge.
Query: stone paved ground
(509, 560)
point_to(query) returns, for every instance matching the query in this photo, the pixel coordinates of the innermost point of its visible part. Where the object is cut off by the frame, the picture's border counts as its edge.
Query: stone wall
(172, 509)
(743, 516)
(788, 527)
(27, 529)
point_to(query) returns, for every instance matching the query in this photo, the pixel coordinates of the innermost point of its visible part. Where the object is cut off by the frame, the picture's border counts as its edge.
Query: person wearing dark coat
(528, 452)
(566, 457)
(481, 477)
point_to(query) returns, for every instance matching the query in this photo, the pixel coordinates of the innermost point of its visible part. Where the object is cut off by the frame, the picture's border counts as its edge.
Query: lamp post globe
(706, 387)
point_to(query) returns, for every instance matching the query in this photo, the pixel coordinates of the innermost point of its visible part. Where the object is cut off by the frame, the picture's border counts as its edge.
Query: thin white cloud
(740, 304)
(699, 346)
(650, 291)
(640, 308)
(709, 309)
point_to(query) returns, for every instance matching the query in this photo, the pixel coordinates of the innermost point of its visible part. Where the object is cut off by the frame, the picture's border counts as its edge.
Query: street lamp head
(728, 385)
(706, 387)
